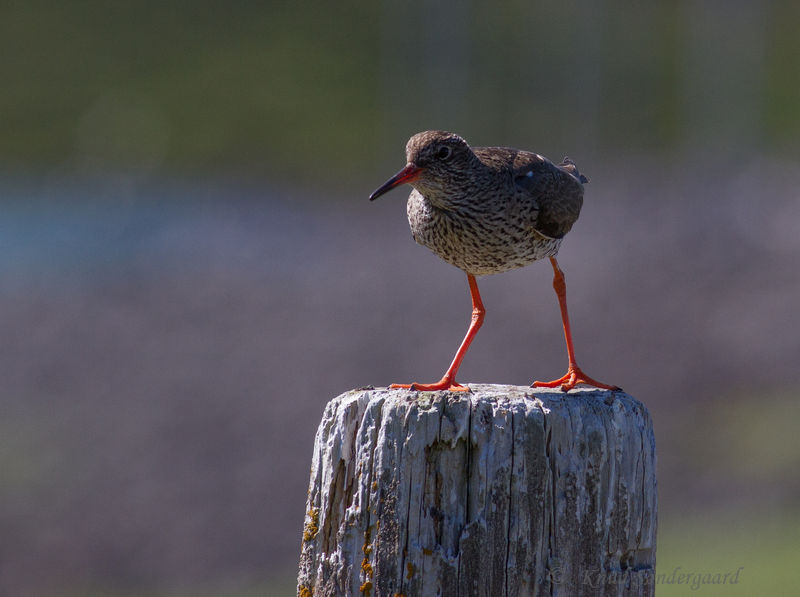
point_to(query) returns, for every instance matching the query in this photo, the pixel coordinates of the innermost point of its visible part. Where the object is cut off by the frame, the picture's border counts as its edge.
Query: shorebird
(489, 210)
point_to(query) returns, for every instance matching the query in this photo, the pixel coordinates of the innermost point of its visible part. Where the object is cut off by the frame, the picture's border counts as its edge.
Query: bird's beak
(408, 174)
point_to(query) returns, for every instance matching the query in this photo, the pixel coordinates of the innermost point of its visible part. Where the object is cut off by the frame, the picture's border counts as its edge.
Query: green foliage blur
(331, 91)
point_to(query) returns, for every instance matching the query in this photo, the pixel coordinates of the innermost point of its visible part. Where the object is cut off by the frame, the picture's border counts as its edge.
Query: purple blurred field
(167, 355)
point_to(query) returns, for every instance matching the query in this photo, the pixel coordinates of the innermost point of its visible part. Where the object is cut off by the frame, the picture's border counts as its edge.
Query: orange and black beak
(408, 174)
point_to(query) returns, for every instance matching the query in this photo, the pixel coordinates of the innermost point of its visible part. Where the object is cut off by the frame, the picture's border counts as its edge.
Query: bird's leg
(448, 381)
(574, 375)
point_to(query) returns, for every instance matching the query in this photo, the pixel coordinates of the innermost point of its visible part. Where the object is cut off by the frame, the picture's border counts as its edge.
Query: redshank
(488, 210)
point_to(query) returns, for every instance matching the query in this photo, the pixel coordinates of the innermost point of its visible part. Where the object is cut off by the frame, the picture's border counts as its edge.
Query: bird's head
(436, 162)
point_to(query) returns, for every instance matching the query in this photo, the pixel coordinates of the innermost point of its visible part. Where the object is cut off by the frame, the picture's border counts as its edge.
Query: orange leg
(574, 374)
(448, 381)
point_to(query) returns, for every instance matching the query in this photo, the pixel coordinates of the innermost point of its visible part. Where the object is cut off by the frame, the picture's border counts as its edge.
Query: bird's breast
(480, 238)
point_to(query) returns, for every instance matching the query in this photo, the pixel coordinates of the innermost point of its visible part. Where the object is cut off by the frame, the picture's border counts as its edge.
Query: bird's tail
(568, 165)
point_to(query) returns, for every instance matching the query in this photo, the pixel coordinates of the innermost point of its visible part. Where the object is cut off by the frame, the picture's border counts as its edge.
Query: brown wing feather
(555, 192)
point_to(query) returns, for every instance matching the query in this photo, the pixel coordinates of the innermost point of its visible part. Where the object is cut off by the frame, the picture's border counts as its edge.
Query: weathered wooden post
(505, 491)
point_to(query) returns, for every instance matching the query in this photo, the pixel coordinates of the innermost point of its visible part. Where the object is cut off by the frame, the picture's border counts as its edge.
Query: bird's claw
(570, 379)
(443, 384)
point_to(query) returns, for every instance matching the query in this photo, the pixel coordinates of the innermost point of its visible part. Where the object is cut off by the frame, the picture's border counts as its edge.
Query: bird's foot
(570, 379)
(451, 385)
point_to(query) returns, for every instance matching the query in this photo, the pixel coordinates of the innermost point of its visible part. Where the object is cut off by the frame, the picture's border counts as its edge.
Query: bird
(488, 210)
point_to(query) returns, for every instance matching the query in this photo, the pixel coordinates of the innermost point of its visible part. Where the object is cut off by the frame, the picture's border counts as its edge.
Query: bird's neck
(440, 198)
(454, 192)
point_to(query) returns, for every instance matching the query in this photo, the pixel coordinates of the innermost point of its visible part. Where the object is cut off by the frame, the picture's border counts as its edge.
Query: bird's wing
(557, 191)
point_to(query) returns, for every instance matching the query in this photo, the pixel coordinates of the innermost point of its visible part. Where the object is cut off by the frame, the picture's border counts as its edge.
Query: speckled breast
(480, 243)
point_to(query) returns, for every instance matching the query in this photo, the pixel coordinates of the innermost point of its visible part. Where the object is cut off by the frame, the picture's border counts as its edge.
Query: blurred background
(190, 268)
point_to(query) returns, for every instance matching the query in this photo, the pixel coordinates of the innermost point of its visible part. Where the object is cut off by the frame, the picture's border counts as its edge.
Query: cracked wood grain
(507, 491)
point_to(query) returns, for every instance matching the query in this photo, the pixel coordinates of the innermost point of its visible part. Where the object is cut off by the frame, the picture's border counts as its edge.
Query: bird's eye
(443, 152)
